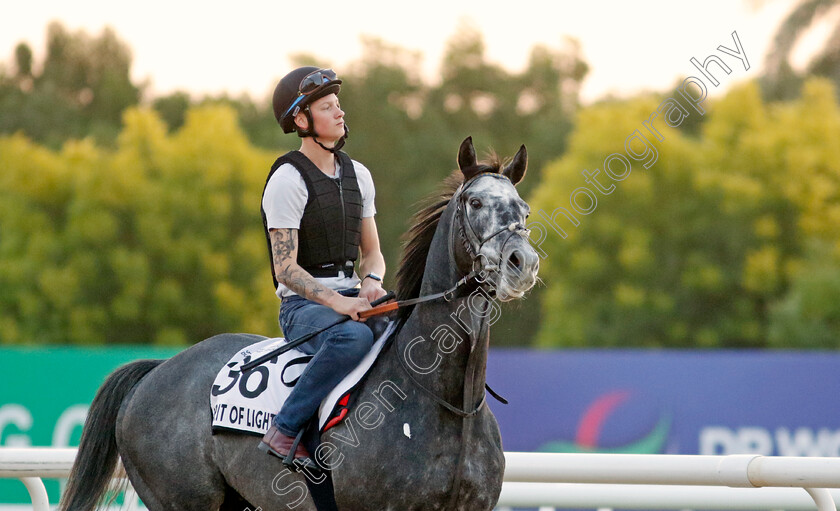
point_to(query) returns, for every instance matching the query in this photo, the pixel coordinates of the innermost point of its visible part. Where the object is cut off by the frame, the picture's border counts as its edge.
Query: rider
(318, 213)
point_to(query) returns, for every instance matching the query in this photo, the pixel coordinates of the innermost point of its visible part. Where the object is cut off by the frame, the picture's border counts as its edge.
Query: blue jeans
(336, 352)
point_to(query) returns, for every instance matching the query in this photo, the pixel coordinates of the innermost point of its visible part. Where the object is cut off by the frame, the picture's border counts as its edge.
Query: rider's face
(328, 118)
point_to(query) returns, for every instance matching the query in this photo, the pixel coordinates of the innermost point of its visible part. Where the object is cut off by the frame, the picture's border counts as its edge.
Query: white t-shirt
(285, 199)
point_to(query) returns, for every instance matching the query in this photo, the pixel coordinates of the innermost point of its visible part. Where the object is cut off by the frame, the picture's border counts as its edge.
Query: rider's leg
(336, 352)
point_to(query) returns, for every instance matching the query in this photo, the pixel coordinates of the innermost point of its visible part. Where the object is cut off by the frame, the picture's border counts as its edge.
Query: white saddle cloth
(248, 403)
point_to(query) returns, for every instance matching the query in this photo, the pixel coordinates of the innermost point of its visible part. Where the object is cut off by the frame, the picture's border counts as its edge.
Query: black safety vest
(331, 227)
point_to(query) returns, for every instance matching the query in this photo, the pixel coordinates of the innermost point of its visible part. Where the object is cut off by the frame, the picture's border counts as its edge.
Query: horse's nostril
(515, 261)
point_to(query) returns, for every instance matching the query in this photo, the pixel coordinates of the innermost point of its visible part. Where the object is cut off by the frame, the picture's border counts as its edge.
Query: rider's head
(295, 95)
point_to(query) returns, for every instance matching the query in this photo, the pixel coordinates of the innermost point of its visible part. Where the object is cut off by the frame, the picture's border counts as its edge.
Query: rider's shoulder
(361, 171)
(284, 179)
(287, 172)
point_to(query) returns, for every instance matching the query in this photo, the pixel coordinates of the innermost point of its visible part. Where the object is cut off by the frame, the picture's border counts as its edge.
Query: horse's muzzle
(518, 272)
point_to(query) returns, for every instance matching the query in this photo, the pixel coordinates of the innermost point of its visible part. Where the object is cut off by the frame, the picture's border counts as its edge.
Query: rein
(448, 295)
(457, 411)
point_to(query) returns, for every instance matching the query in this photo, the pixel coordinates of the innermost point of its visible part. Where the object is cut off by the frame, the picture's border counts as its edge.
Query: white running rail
(651, 481)
(707, 482)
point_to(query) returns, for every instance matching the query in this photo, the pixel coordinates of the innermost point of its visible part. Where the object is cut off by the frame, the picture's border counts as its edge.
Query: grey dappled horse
(419, 436)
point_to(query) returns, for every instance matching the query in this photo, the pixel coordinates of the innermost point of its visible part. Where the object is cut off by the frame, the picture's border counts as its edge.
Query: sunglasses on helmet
(310, 84)
(314, 80)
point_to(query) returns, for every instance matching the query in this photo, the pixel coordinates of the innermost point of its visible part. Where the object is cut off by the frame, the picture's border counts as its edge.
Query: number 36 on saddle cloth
(247, 402)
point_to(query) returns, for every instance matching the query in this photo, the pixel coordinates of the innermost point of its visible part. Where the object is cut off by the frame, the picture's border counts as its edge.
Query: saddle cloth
(247, 403)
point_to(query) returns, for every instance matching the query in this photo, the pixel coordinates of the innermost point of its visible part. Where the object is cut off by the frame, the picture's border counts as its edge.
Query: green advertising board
(44, 396)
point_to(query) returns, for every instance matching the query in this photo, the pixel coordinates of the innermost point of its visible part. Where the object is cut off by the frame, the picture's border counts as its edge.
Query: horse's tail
(97, 455)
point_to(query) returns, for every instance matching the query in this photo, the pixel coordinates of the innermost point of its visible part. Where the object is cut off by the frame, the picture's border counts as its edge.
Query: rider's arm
(290, 274)
(287, 271)
(372, 260)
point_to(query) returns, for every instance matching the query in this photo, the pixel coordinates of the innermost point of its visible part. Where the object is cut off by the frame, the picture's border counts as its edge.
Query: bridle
(481, 267)
(477, 277)
(471, 241)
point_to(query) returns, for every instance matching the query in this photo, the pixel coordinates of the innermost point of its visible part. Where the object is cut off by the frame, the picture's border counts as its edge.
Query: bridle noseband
(471, 241)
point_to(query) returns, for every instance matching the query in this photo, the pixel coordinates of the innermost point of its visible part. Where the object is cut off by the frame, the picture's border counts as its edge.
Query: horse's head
(490, 221)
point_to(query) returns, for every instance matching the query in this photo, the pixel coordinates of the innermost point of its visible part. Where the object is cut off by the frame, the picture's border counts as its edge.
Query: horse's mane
(418, 238)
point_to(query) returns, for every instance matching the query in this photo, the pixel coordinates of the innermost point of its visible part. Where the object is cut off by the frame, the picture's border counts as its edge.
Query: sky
(211, 46)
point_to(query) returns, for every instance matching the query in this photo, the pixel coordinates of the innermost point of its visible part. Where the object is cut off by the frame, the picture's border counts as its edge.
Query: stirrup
(289, 460)
(298, 464)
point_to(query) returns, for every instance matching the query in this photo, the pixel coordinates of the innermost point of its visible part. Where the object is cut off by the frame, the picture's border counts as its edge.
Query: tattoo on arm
(283, 245)
(288, 272)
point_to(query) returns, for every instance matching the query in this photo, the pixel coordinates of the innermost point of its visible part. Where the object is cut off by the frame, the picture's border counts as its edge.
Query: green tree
(377, 95)
(503, 110)
(780, 81)
(157, 241)
(807, 316)
(82, 89)
(172, 108)
(23, 61)
(698, 250)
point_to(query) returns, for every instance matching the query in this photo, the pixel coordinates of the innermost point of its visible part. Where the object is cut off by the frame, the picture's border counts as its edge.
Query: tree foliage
(81, 90)
(156, 241)
(713, 245)
(780, 80)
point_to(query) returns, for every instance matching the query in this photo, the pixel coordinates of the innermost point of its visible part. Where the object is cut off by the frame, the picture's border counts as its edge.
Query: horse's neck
(452, 337)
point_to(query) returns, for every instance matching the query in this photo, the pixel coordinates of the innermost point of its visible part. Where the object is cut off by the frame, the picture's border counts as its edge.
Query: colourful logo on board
(588, 436)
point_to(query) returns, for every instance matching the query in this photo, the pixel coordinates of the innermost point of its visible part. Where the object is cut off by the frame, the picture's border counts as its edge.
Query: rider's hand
(350, 306)
(371, 290)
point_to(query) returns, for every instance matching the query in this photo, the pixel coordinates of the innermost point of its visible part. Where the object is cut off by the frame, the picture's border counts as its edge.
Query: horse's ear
(466, 158)
(515, 171)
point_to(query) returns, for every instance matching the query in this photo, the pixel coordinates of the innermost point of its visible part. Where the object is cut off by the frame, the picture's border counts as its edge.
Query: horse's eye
(475, 203)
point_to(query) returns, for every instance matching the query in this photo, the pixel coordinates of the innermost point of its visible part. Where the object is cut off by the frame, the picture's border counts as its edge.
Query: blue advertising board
(669, 402)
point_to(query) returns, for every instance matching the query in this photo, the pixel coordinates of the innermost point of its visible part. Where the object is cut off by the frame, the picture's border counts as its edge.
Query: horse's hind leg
(177, 496)
(143, 491)
(165, 459)
(168, 448)
(171, 482)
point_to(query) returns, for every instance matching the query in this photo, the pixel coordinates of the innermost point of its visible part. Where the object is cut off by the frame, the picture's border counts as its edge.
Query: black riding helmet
(297, 90)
